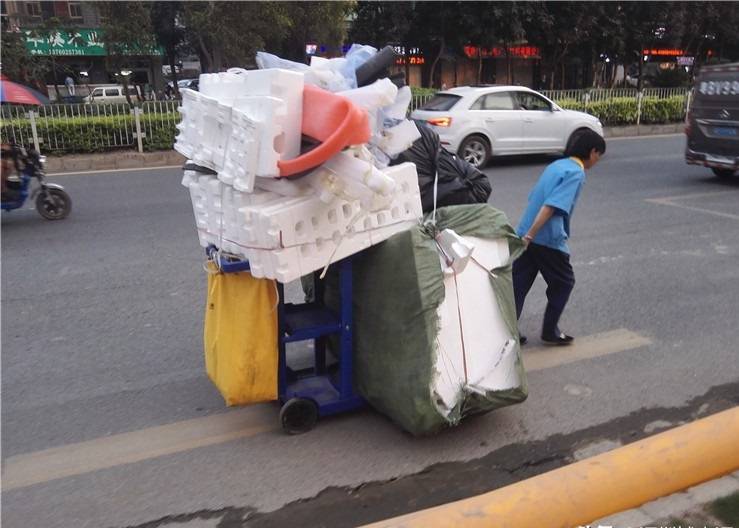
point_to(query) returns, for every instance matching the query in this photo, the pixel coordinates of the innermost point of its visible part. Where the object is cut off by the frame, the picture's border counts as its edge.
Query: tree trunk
(479, 65)
(56, 85)
(436, 61)
(509, 69)
(124, 81)
(204, 54)
(217, 58)
(562, 80)
(172, 65)
(640, 81)
(407, 64)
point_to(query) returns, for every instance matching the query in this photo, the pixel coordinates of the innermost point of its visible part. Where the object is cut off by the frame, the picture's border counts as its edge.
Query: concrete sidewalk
(126, 159)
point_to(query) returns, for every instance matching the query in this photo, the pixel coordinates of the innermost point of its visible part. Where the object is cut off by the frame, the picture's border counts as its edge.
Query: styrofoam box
(480, 337)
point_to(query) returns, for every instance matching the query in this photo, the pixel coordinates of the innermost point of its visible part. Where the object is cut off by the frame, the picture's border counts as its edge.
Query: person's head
(587, 145)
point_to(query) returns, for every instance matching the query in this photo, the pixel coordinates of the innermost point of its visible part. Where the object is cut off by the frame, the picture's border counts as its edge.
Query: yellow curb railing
(590, 489)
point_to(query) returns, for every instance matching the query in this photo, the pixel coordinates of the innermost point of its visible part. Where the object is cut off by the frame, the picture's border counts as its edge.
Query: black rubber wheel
(298, 416)
(53, 204)
(475, 150)
(723, 173)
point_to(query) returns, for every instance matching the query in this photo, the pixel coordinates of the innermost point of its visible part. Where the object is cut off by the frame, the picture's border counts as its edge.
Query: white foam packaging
(269, 128)
(471, 326)
(287, 237)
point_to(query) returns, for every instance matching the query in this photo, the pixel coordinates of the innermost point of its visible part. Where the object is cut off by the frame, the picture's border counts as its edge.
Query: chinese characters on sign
(82, 42)
(518, 52)
(63, 43)
(664, 52)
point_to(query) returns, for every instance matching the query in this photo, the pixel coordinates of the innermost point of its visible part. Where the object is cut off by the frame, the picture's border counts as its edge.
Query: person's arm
(542, 217)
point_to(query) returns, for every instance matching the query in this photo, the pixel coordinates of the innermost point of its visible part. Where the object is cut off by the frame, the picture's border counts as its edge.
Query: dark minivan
(713, 120)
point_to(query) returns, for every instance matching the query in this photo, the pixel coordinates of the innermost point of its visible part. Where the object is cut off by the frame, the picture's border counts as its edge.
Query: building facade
(70, 34)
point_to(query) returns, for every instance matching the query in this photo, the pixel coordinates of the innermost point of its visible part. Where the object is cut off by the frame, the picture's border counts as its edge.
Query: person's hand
(527, 239)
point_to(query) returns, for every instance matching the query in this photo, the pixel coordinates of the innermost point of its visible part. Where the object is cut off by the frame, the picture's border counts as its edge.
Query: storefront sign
(413, 60)
(664, 52)
(76, 42)
(517, 52)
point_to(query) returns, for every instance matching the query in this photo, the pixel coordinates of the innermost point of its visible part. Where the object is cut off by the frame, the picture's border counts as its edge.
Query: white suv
(478, 123)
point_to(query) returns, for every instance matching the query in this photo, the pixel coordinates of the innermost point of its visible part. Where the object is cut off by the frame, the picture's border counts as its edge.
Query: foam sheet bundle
(288, 209)
(433, 344)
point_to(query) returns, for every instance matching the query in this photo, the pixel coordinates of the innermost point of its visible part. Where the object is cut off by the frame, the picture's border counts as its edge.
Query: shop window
(75, 10)
(33, 9)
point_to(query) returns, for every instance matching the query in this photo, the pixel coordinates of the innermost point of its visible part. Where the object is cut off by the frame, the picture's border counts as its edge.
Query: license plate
(725, 131)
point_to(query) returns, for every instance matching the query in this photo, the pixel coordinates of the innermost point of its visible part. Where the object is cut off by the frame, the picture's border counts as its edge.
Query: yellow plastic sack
(240, 337)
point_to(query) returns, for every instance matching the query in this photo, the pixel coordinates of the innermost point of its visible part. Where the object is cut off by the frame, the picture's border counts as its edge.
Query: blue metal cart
(318, 391)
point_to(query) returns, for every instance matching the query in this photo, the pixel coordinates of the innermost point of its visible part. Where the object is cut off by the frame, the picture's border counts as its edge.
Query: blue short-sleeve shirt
(559, 187)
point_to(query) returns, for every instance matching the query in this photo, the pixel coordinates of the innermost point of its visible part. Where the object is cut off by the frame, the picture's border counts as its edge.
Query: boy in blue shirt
(545, 228)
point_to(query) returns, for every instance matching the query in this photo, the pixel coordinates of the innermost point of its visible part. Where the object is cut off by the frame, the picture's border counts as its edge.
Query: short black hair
(583, 143)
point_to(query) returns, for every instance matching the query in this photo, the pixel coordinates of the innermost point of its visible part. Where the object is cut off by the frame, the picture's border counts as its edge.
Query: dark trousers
(555, 267)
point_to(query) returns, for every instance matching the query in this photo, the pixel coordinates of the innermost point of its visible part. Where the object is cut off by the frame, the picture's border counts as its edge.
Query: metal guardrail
(587, 95)
(51, 129)
(115, 126)
(602, 94)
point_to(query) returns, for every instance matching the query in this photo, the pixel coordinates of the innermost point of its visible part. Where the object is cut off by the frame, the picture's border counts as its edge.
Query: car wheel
(723, 173)
(475, 150)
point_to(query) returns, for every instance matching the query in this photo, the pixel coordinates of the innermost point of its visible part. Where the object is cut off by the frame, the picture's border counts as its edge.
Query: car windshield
(441, 102)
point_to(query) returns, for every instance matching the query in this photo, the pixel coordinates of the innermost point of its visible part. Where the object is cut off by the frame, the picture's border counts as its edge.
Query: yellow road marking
(103, 453)
(58, 462)
(596, 345)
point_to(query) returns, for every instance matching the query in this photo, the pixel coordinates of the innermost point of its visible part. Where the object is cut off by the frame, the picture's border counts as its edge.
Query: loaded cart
(307, 394)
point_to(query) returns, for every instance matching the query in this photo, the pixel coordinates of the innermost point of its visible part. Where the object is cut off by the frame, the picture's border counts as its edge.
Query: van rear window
(441, 102)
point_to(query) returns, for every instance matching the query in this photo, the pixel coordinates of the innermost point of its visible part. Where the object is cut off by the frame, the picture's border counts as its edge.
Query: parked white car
(110, 94)
(477, 123)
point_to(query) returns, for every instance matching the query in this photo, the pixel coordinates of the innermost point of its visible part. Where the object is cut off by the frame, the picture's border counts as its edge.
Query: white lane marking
(645, 136)
(673, 201)
(103, 171)
(103, 453)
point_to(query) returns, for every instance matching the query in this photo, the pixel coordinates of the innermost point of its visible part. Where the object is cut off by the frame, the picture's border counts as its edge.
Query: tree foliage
(127, 30)
(569, 34)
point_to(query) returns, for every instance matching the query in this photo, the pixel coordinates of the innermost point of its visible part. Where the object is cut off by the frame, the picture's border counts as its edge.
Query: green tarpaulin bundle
(431, 345)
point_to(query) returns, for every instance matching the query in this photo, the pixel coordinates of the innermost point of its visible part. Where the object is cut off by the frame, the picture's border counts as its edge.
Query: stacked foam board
(242, 123)
(287, 237)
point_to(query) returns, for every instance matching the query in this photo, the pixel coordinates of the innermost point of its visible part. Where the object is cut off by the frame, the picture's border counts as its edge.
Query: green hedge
(622, 110)
(95, 133)
(105, 133)
(422, 92)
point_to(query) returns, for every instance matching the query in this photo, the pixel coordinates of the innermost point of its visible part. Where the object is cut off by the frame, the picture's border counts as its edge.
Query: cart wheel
(298, 416)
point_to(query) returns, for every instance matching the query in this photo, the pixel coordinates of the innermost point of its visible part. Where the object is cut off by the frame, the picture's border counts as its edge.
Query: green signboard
(73, 42)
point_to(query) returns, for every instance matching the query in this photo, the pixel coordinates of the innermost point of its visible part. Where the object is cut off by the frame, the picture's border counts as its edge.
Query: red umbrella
(15, 93)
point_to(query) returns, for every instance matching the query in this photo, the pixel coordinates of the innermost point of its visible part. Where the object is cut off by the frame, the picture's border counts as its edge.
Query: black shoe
(559, 340)
(522, 340)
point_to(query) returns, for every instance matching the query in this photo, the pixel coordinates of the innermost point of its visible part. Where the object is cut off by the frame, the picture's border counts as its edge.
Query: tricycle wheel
(53, 204)
(298, 416)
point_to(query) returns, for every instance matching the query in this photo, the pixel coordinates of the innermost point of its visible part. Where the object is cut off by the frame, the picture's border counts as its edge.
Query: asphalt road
(109, 420)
